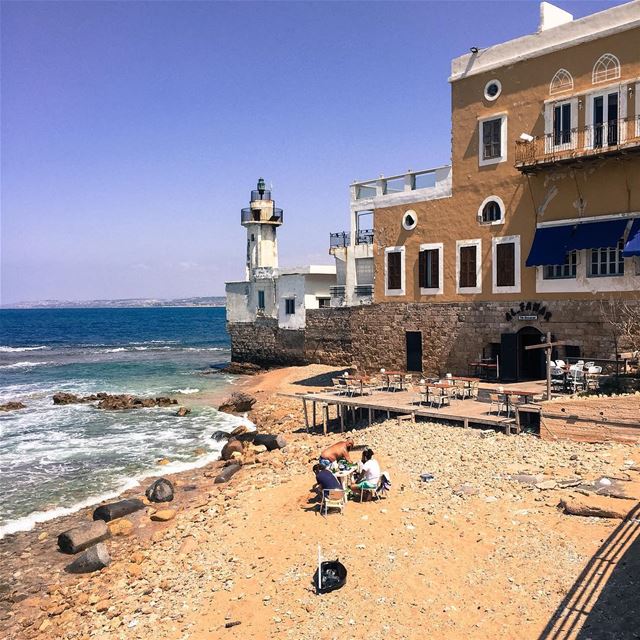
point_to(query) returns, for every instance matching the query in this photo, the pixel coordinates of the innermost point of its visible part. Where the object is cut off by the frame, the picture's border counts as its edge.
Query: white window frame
(515, 288)
(477, 243)
(549, 108)
(500, 202)
(618, 68)
(588, 110)
(568, 87)
(394, 292)
(435, 291)
(503, 139)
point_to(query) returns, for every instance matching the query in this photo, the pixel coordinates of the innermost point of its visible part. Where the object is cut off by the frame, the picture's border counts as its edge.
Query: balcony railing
(339, 239)
(566, 145)
(260, 195)
(274, 216)
(438, 180)
(364, 236)
(343, 238)
(363, 290)
(337, 291)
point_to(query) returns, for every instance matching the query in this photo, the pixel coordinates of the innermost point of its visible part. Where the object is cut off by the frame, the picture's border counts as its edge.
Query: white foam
(186, 391)
(23, 365)
(27, 523)
(4, 349)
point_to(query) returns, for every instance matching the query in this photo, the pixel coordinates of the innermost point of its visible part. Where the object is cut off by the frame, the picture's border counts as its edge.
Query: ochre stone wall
(453, 334)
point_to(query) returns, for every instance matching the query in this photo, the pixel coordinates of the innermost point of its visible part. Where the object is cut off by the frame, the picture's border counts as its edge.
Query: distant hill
(207, 301)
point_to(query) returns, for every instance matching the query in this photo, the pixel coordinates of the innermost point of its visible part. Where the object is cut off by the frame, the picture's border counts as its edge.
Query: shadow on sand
(604, 602)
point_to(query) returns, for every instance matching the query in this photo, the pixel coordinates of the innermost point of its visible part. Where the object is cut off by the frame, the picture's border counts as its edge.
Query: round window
(491, 210)
(492, 89)
(409, 220)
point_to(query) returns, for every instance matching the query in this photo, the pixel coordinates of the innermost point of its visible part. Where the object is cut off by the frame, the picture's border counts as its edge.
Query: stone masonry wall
(453, 334)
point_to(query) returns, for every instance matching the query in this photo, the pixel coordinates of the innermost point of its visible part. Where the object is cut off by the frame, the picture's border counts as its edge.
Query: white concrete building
(285, 294)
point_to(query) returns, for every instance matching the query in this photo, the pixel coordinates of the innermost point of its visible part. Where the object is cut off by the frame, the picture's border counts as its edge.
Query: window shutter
(394, 278)
(467, 266)
(435, 268)
(505, 267)
(422, 269)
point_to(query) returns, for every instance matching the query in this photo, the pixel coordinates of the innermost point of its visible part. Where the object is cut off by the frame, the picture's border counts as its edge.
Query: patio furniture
(592, 378)
(561, 363)
(339, 385)
(440, 395)
(557, 379)
(333, 499)
(576, 379)
(499, 401)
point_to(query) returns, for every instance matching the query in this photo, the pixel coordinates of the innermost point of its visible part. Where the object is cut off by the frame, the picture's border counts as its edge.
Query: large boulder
(237, 402)
(160, 491)
(231, 447)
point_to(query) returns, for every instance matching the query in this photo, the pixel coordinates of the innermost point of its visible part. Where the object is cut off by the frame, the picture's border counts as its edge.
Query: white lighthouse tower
(261, 220)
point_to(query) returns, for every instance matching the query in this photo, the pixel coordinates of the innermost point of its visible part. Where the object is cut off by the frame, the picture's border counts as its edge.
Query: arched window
(491, 211)
(606, 68)
(561, 82)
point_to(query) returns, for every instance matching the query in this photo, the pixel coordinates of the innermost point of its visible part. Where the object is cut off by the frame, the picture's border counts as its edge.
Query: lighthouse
(261, 219)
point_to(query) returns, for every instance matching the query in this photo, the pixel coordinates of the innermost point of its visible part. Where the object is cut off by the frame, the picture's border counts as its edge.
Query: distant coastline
(124, 303)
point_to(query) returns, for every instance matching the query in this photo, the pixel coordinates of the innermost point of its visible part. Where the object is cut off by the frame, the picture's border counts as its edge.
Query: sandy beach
(481, 551)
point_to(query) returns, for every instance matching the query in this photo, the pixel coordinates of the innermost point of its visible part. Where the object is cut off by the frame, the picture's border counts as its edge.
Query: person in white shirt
(370, 473)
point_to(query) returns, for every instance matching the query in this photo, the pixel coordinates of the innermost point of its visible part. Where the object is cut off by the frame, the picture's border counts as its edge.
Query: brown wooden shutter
(435, 268)
(505, 267)
(422, 269)
(394, 276)
(468, 266)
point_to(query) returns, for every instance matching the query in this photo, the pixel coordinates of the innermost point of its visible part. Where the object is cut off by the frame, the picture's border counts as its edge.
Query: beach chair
(440, 397)
(333, 499)
(339, 386)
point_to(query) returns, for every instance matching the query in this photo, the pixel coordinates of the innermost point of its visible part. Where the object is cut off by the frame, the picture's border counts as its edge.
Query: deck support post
(369, 416)
(314, 415)
(342, 419)
(325, 417)
(306, 415)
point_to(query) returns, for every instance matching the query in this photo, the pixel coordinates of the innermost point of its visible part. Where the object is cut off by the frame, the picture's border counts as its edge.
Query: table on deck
(516, 392)
(489, 366)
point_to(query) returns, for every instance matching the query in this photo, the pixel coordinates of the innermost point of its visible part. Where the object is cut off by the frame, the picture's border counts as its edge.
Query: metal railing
(579, 142)
(339, 239)
(364, 236)
(258, 215)
(337, 291)
(363, 290)
(260, 195)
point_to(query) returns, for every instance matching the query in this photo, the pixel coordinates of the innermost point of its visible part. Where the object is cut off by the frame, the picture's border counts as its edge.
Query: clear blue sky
(132, 132)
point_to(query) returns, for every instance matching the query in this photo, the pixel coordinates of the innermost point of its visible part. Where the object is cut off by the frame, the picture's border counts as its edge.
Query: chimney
(552, 16)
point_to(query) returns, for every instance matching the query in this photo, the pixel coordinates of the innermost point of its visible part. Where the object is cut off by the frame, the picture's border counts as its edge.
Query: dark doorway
(414, 351)
(531, 362)
(518, 363)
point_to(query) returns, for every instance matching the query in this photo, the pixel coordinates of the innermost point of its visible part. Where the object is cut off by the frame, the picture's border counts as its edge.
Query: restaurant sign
(529, 311)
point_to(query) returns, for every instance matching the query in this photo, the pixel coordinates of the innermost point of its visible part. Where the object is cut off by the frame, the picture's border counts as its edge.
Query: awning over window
(632, 247)
(596, 235)
(549, 245)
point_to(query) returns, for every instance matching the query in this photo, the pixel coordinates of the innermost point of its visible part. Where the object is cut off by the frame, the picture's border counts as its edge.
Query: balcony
(413, 186)
(269, 216)
(337, 291)
(363, 290)
(339, 239)
(574, 146)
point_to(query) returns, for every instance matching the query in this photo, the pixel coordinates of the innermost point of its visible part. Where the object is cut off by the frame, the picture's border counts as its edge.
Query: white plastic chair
(561, 363)
(333, 499)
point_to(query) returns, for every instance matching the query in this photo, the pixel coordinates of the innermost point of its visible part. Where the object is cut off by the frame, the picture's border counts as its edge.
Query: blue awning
(632, 247)
(596, 235)
(550, 245)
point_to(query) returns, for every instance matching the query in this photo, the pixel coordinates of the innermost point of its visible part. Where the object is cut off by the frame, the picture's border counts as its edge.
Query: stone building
(533, 227)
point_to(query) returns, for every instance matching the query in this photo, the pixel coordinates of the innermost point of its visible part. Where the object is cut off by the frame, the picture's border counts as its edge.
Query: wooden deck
(395, 404)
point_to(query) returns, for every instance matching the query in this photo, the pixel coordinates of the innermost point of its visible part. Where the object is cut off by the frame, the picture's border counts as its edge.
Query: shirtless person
(337, 451)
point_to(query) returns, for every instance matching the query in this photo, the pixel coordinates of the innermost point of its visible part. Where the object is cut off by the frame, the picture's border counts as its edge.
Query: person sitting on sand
(325, 479)
(369, 476)
(337, 451)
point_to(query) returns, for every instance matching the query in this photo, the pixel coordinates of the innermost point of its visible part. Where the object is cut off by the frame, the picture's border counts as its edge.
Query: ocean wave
(27, 523)
(185, 391)
(23, 365)
(4, 349)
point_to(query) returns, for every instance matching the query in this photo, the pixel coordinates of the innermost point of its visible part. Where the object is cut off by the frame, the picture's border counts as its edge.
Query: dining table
(507, 393)
(344, 476)
(389, 374)
(433, 385)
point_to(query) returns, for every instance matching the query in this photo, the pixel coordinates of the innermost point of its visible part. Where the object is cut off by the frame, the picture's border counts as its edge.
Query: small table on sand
(344, 476)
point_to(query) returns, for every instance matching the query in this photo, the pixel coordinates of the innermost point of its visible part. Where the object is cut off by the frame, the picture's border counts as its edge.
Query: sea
(57, 459)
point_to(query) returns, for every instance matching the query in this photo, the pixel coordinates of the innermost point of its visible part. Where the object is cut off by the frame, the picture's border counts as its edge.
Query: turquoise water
(59, 458)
